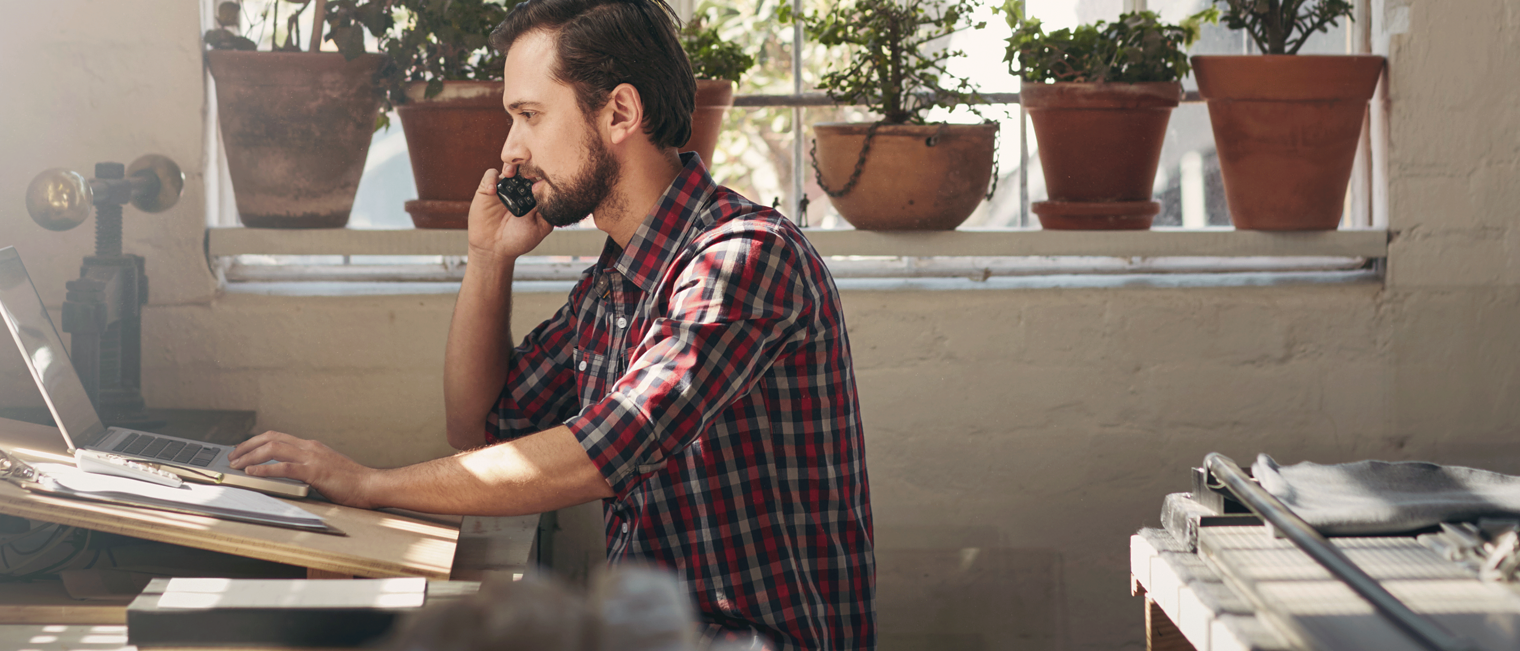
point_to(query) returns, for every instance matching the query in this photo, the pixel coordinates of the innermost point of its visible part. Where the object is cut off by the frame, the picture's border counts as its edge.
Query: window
(759, 155)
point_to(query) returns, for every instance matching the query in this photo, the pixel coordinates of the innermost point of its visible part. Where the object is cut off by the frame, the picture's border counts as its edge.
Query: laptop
(42, 348)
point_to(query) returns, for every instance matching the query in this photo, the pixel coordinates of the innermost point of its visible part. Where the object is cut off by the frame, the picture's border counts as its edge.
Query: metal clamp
(18, 472)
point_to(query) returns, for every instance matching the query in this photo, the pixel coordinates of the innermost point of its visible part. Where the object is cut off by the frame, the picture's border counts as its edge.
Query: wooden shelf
(1221, 242)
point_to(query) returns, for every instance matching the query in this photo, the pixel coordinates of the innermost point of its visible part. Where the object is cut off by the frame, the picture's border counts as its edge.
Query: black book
(272, 612)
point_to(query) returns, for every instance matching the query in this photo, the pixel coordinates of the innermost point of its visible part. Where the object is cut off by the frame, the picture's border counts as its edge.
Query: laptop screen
(32, 328)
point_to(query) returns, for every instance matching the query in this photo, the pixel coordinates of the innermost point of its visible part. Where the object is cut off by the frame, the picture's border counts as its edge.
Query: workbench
(1238, 588)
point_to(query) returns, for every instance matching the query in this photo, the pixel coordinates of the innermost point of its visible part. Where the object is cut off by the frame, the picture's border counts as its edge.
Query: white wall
(1016, 436)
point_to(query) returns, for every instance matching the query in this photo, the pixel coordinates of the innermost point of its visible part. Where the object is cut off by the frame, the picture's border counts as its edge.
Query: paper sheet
(294, 593)
(227, 498)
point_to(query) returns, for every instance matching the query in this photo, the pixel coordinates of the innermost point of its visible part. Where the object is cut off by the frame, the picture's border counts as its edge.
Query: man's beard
(584, 193)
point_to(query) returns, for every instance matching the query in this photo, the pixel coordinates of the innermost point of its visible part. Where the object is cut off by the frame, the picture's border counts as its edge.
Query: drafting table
(377, 545)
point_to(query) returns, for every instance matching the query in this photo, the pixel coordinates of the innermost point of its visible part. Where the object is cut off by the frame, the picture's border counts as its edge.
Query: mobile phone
(516, 193)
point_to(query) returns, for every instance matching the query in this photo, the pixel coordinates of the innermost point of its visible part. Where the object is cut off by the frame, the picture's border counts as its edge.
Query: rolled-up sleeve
(737, 303)
(540, 389)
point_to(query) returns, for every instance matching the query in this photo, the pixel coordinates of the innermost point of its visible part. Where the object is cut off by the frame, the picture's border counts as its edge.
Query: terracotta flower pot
(1100, 145)
(297, 128)
(906, 183)
(714, 96)
(452, 139)
(1286, 127)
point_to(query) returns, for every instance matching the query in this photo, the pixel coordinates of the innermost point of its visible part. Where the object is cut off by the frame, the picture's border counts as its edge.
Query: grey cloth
(1382, 497)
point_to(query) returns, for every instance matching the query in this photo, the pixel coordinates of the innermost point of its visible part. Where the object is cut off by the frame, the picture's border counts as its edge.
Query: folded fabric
(1382, 497)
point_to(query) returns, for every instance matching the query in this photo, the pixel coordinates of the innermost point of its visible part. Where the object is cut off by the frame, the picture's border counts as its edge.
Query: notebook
(42, 348)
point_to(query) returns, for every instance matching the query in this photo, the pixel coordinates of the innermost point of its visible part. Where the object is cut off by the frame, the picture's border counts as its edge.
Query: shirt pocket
(593, 376)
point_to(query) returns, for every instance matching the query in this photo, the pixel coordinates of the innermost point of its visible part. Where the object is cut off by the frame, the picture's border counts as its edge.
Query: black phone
(516, 193)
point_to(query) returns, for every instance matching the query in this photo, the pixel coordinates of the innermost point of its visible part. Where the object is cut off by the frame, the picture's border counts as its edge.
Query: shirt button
(625, 527)
(583, 365)
(622, 322)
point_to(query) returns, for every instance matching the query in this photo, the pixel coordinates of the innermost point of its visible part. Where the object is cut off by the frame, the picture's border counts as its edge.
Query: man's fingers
(283, 469)
(253, 443)
(270, 450)
(488, 182)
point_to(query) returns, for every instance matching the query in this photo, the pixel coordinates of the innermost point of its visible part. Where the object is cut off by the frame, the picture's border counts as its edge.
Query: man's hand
(337, 477)
(498, 235)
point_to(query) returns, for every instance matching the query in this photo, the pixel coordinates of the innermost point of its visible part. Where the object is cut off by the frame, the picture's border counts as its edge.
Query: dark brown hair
(603, 43)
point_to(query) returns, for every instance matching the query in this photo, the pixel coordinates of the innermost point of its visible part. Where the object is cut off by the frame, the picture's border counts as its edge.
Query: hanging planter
(893, 177)
(1287, 128)
(452, 138)
(900, 173)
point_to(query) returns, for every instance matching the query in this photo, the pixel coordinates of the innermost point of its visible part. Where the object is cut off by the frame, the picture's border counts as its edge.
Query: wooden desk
(377, 545)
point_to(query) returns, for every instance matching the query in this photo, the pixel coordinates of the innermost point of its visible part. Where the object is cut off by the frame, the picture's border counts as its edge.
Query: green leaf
(895, 65)
(1135, 48)
(1299, 20)
(350, 41)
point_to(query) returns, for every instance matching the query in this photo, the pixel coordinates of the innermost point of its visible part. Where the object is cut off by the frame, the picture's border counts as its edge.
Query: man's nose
(513, 151)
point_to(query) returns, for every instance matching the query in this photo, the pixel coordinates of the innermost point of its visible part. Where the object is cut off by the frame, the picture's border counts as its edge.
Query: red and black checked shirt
(706, 371)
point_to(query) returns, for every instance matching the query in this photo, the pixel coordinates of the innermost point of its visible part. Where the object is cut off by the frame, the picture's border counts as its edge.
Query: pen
(193, 474)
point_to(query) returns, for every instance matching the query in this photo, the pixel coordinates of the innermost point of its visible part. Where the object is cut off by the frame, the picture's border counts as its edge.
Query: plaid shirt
(706, 371)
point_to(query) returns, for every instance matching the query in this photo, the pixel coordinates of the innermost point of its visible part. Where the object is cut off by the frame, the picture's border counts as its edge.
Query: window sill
(1214, 242)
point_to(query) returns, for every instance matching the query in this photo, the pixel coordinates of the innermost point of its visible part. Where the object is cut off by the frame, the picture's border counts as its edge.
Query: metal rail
(1427, 633)
(815, 98)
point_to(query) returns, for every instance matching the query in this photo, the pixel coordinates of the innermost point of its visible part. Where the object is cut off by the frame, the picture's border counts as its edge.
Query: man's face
(553, 143)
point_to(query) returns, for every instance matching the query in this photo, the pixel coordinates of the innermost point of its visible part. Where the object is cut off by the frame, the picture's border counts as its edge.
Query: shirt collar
(663, 231)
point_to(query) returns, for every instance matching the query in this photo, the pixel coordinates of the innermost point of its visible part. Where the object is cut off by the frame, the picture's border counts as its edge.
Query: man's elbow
(466, 436)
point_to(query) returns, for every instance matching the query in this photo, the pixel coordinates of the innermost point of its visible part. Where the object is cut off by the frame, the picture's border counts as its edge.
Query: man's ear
(624, 113)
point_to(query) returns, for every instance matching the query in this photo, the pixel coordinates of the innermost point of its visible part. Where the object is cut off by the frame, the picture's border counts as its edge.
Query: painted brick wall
(1015, 436)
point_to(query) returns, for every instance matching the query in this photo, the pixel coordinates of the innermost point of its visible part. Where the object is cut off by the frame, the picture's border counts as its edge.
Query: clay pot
(1287, 128)
(907, 183)
(296, 127)
(1099, 147)
(714, 96)
(452, 138)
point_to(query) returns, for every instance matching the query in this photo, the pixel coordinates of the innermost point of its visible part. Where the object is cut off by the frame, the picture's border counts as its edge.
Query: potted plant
(444, 82)
(899, 173)
(717, 64)
(1100, 97)
(295, 125)
(1286, 125)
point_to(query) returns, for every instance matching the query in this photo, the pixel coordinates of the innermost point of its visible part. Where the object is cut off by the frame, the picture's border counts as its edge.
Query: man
(699, 378)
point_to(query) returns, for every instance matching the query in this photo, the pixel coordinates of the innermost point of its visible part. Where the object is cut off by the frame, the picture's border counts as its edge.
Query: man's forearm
(537, 473)
(478, 351)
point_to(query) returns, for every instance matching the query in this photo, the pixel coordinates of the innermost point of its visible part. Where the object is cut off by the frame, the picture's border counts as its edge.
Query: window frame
(1361, 242)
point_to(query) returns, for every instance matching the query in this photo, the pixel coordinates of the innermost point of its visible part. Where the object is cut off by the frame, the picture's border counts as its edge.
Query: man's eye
(528, 115)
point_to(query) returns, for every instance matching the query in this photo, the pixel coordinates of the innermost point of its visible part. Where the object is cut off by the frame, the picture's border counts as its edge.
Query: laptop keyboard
(166, 449)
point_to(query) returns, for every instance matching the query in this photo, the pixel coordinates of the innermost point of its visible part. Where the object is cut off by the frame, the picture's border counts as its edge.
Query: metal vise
(102, 311)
